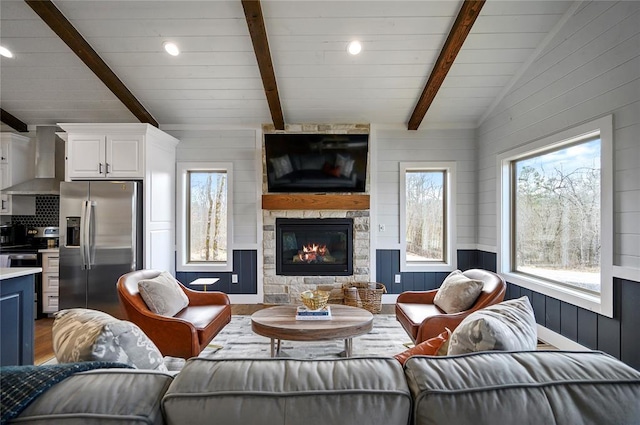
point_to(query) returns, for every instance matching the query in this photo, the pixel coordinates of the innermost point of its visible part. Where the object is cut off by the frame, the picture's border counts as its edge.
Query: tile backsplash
(47, 213)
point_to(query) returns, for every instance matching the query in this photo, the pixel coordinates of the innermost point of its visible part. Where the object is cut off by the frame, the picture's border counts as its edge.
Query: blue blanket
(20, 385)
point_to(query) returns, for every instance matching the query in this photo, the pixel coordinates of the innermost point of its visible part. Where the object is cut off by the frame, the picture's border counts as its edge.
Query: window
(556, 213)
(427, 216)
(204, 216)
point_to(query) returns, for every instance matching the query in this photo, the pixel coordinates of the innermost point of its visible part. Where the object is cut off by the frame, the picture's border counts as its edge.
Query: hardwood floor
(43, 347)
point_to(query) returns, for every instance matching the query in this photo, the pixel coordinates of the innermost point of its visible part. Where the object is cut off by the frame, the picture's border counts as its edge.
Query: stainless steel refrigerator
(100, 240)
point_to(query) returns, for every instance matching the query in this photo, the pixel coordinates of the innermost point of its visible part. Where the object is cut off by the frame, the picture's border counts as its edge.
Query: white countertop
(8, 273)
(49, 250)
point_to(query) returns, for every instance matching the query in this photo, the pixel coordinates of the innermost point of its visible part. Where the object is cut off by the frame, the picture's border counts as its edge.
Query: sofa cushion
(289, 391)
(430, 347)
(163, 295)
(81, 335)
(524, 388)
(113, 396)
(507, 326)
(457, 293)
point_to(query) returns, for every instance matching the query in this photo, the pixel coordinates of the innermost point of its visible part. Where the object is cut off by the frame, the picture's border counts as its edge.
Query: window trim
(182, 263)
(603, 303)
(450, 218)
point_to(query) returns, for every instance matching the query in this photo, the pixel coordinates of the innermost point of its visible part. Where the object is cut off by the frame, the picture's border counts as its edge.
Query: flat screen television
(316, 162)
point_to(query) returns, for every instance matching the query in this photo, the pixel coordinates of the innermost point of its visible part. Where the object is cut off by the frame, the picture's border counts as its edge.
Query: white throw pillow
(508, 326)
(163, 295)
(457, 293)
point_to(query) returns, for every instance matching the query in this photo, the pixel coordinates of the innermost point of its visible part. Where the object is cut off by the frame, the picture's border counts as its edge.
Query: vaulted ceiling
(216, 80)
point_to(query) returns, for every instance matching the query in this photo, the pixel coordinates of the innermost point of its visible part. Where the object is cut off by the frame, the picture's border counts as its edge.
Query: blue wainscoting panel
(388, 265)
(538, 302)
(630, 323)
(569, 321)
(245, 265)
(587, 328)
(467, 259)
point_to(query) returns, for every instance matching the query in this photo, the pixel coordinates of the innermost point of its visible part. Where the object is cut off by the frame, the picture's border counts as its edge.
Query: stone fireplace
(284, 277)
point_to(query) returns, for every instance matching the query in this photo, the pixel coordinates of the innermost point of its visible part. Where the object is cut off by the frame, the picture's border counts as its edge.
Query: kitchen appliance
(100, 240)
(12, 234)
(25, 253)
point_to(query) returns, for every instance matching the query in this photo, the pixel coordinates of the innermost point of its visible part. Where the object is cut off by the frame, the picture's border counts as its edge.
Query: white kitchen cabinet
(105, 156)
(15, 167)
(50, 273)
(133, 152)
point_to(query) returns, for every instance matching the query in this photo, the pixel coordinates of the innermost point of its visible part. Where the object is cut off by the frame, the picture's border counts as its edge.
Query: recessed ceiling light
(354, 47)
(5, 52)
(171, 48)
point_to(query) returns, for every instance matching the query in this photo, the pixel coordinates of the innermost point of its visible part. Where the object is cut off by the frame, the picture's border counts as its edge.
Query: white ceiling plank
(199, 94)
(340, 9)
(125, 10)
(187, 44)
(133, 59)
(161, 27)
(355, 26)
(196, 84)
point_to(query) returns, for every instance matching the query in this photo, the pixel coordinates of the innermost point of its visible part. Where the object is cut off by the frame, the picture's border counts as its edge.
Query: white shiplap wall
(238, 147)
(590, 69)
(395, 146)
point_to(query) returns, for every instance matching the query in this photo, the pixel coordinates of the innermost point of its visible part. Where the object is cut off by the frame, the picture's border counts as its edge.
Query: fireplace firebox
(314, 247)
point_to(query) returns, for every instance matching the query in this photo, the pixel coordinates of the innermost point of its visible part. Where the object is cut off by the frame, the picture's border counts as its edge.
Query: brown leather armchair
(187, 333)
(423, 320)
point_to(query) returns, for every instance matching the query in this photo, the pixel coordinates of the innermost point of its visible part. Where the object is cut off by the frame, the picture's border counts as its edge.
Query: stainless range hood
(49, 165)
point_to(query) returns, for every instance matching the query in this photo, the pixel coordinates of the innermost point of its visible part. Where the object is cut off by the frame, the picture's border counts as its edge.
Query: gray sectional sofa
(538, 387)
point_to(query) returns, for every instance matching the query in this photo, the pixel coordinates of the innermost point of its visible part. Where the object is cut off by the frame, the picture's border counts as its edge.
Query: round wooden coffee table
(279, 323)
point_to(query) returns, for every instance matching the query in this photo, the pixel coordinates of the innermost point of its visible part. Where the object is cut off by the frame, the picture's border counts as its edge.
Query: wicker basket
(363, 295)
(314, 300)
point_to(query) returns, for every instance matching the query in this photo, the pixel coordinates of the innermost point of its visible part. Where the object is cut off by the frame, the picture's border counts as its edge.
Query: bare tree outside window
(557, 215)
(425, 215)
(207, 216)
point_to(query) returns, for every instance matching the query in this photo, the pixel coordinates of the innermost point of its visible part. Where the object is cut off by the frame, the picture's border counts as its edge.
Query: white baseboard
(559, 341)
(389, 298)
(245, 299)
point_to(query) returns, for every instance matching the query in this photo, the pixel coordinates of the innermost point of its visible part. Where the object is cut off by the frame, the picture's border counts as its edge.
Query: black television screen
(316, 162)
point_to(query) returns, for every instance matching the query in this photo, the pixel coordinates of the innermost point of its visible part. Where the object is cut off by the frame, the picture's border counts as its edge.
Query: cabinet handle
(100, 168)
(3, 201)
(3, 157)
(108, 171)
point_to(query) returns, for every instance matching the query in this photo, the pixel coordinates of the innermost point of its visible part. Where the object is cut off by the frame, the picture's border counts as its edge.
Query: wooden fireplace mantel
(315, 202)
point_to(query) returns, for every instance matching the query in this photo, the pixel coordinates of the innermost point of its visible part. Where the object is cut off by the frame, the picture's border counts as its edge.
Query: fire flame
(312, 251)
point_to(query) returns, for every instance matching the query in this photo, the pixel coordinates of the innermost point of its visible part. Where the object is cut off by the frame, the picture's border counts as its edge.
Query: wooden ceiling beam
(461, 27)
(258, 31)
(52, 16)
(12, 121)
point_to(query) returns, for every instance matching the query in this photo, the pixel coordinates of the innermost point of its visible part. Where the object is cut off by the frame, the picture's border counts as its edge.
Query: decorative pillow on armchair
(507, 326)
(82, 335)
(457, 293)
(163, 295)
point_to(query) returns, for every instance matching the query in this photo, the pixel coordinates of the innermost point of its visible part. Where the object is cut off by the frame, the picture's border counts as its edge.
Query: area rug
(237, 340)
